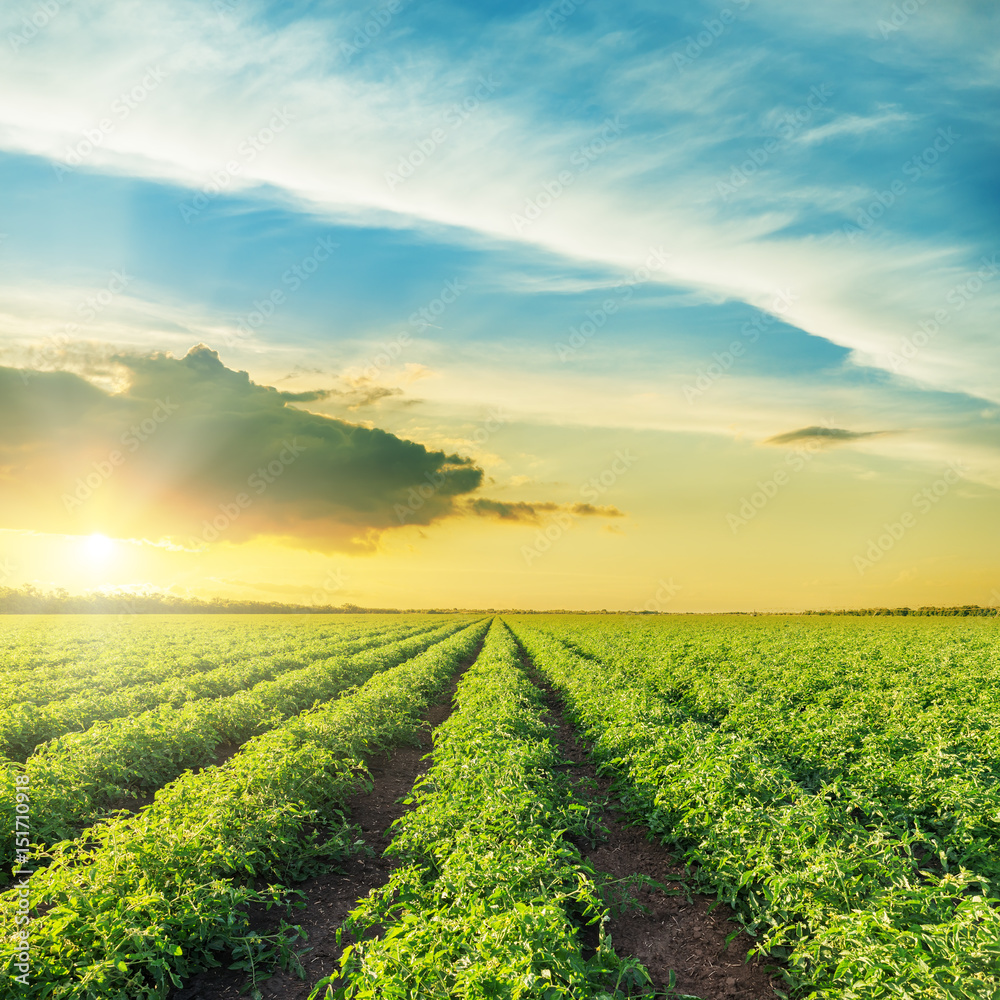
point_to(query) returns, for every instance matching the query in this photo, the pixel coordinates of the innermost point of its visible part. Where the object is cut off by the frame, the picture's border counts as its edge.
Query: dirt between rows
(666, 932)
(136, 800)
(330, 897)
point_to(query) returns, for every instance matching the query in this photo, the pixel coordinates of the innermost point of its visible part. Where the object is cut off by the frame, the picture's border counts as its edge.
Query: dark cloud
(364, 394)
(360, 393)
(310, 396)
(821, 435)
(190, 449)
(520, 510)
(300, 370)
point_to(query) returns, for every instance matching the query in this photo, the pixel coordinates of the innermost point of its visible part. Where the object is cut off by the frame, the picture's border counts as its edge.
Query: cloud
(359, 393)
(309, 396)
(521, 510)
(822, 435)
(194, 451)
(363, 393)
(355, 120)
(793, 225)
(852, 125)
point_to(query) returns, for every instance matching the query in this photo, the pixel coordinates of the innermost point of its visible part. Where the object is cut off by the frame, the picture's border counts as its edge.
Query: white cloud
(353, 124)
(855, 125)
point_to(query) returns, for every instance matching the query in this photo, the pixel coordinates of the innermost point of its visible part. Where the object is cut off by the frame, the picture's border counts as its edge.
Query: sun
(98, 549)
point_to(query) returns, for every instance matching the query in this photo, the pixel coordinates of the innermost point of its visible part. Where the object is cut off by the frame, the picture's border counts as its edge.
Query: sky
(573, 305)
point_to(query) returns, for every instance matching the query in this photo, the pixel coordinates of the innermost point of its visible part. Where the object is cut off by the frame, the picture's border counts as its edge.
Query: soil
(135, 800)
(669, 931)
(672, 931)
(330, 897)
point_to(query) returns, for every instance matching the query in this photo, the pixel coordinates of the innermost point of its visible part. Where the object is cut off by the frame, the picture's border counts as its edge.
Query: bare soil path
(331, 896)
(666, 932)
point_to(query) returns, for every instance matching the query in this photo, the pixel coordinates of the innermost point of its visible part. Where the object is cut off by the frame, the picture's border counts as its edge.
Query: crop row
(77, 777)
(491, 894)
(34, 653)
(147, 899)
(850, 905)
(896, 721)
(30, 642)
(24, 727)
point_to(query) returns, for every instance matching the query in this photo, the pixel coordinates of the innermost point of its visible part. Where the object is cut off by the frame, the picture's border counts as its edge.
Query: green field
(834, 780)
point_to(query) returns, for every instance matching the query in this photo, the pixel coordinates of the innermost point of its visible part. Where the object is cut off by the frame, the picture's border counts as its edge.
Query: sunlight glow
(99, 550)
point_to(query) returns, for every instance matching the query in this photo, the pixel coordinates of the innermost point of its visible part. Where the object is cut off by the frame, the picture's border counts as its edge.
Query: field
(707, 806)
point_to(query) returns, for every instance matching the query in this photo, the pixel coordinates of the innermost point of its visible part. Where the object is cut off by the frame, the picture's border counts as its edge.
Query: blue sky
(824, 176)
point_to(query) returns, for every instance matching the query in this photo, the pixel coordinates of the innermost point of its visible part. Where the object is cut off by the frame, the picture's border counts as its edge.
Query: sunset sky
(580, 305)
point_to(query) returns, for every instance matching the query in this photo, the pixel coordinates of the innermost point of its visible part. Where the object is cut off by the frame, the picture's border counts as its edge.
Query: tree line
(965, 609)
(29, 600)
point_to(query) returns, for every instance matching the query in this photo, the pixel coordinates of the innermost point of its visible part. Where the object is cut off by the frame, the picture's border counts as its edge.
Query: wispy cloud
(532, 512)
(854, 125)
(354, 119)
